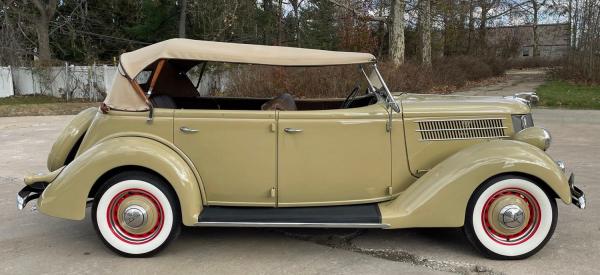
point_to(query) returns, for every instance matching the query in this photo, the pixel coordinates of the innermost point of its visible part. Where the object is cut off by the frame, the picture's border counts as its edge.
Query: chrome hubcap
(511, 216)
(135, 216)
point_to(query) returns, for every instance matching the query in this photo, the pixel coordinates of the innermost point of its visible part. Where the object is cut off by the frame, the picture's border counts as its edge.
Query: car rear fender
(66, 196)
(439, 198)
(65, 145)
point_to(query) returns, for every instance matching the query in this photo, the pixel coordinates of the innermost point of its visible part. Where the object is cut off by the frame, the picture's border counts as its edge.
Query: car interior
(173, 89)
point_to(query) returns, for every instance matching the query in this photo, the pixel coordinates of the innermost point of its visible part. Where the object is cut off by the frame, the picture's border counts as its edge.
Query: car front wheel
(136, 214)
(510, 217)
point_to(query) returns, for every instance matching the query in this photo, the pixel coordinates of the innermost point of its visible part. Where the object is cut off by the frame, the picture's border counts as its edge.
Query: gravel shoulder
(515, 81)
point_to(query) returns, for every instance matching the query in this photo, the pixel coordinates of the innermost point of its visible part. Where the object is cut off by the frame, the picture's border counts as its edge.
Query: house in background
(517, 41)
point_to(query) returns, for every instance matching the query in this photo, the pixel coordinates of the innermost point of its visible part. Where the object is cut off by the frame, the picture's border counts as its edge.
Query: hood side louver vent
(458, 129)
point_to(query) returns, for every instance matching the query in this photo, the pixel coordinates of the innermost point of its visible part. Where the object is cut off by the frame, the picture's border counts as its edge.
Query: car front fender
(66, 196)
(440, 197)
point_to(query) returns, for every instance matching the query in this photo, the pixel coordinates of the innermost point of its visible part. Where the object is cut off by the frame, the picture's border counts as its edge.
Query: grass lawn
(41, 106)
(562, 94)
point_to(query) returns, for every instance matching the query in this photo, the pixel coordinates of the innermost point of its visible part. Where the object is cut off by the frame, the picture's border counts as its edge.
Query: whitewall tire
(510, 217)
(136, 214)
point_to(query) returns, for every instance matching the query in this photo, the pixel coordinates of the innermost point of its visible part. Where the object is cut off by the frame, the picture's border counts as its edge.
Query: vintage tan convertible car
(157, 155)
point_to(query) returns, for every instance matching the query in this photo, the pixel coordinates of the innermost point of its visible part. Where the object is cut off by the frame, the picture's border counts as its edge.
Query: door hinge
(273, 127)
(273, 192)
(421, 172)
(390, 190)
(388, 124)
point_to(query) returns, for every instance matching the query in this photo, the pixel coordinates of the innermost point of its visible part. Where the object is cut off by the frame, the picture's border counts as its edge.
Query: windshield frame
(383, 91)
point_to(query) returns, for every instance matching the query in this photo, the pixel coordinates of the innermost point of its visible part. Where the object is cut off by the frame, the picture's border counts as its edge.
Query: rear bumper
(34, 186)
(29, 193)
(577, 195)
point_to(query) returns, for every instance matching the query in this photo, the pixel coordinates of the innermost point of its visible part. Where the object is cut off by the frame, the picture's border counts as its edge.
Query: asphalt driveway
(31, 242)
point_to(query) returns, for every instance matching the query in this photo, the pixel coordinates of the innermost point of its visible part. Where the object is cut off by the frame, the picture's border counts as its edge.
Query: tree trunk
(536, 39)
(381, 30)
(296, 8)
(182, 18)
(397, 32)
(42, 28)
(425, 31)
(471, 27)
(446, 35)
(575, 24)
(570, 14)
(280, 22)
(483, 31)
(268, 8)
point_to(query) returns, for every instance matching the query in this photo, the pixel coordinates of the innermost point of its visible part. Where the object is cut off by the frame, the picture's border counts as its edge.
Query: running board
(345, 216)
(292, 225)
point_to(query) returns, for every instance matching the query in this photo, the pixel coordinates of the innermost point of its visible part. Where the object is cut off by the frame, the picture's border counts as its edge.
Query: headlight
(536, 136)
(521, 122)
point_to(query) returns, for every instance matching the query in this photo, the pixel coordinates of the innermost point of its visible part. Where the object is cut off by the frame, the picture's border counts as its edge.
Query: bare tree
(11, 46)
(397, 32)
(471, 26)
(296, 9)
(486, 6)
(425, 31)
(575, 24)
(279, 22)
(535, 6)
(46, 12)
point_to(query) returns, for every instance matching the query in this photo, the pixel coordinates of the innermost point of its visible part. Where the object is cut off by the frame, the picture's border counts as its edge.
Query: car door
(234, 153)
(330, 157)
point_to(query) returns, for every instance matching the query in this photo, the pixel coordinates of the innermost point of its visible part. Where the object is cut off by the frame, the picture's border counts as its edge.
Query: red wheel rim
(525, 233)
(115, 221)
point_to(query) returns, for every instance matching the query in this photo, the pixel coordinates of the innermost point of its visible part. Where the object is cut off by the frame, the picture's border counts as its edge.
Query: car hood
(420, 105)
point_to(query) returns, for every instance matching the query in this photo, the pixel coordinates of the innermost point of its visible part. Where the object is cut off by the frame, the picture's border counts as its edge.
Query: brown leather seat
(283, 102)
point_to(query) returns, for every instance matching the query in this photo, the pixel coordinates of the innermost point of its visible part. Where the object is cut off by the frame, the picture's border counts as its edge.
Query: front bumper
(29, 193)
(577, 196)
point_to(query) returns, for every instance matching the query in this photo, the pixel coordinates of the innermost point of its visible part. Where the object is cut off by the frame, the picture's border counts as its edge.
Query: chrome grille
(457, 129)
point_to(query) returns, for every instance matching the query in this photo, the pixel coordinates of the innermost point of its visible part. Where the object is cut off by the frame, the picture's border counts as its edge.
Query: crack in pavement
(344, 241)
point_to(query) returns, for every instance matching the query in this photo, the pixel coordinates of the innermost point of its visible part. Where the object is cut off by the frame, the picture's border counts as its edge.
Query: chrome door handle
(187, 130)
(292, 130)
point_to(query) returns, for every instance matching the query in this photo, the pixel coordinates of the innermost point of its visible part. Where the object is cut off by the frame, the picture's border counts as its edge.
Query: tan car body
(417, 183)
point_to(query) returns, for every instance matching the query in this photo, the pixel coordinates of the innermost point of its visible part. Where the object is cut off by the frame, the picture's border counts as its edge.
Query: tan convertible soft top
(124, 97)
(134, 62)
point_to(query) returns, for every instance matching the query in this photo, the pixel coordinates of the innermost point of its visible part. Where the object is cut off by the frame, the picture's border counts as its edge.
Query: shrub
(533, 62)
(580, 67)
(446, 74)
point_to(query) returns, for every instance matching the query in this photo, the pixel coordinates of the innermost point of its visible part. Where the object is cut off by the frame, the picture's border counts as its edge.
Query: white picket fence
(68, 81)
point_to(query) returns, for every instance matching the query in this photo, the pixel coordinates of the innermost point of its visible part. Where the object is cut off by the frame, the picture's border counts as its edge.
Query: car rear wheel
(136, 214)
(510, 217)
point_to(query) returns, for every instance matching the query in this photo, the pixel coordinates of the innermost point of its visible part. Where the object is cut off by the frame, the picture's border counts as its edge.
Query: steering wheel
(350, 97)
